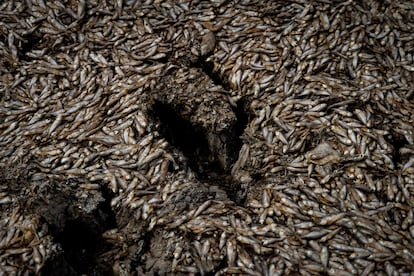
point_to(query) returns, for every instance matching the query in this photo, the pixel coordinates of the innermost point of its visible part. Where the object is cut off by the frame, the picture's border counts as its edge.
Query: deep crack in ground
(191, 140)
(81, 240)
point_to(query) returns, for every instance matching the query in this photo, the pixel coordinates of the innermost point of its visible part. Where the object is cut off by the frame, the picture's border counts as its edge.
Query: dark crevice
(203, 159)
(190, 139)
(222, 265)
(105, 208)
(79, 241)
(397, 141)
(58, 266)
(80, 238)
(241, 124)
(144, 246)
(208, 68)
(31, 41)
(193, 140)
(236, 192)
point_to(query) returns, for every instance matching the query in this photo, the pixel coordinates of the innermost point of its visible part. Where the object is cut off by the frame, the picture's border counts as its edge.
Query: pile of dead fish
(326, 165)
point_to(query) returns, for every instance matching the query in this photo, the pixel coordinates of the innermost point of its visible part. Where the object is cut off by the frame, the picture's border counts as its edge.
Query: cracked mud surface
(206, 138)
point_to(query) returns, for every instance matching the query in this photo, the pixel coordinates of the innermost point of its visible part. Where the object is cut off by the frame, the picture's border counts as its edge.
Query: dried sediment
(325, 163)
